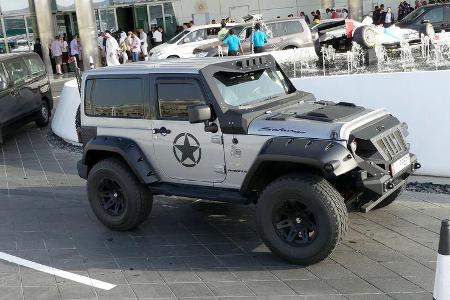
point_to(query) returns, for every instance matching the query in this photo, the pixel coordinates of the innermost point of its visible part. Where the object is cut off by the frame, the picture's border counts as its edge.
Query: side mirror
(202, 114)
(199, 113)
(425, 21)
(3, 85)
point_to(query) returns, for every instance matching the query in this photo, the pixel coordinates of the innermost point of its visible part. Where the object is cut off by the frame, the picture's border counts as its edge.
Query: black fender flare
(313, 153)
(127, 149)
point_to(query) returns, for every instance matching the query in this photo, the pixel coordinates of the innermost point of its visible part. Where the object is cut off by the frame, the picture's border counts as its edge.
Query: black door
(20, 78)
(8, 98)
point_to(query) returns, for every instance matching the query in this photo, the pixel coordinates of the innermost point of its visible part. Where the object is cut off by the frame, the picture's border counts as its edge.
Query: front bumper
(383, 184)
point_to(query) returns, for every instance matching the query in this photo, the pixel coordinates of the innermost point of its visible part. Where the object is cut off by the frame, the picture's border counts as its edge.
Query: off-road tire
(138, 199)
(391, 198)
(43, 115)
(365, 37)
(324, 201)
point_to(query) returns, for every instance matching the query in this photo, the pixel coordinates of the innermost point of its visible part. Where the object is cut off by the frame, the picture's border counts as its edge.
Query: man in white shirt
(75, 49)
(144, 44)
(157, 37)
(111, 50)
(57, 47)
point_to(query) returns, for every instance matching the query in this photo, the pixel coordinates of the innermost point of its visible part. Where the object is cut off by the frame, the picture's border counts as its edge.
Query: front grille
(392, 144)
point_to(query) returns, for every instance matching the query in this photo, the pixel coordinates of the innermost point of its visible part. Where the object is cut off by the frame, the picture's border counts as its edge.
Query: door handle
(163, 131)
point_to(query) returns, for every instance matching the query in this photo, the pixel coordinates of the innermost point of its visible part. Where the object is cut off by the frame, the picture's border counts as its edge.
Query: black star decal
(187, 151)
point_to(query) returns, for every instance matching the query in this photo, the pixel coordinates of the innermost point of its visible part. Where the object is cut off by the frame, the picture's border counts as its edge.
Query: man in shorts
(57, 51)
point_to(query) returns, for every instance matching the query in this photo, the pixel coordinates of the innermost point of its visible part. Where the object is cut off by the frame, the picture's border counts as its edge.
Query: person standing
(123, 44)
(388, 18)
(111, 50)
(259, 39)
(57, 47)
(37, 48)
(157, 37)
(144, 45)
(65, 51)
(305, 17)
(134, 43)
(223, 32)
(233, 43)
(75, 49)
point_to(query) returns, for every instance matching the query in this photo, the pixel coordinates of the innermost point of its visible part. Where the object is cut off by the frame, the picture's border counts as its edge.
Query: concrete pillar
(355, 9)
(46, 31)
(87, 31)
(327, 4)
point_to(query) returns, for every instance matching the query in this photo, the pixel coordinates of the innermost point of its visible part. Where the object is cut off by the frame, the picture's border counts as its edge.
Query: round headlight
(353, 146)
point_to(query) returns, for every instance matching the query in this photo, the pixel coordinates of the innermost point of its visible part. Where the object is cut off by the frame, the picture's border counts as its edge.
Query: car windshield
(416, 13)
(252, 88)
(178, 37)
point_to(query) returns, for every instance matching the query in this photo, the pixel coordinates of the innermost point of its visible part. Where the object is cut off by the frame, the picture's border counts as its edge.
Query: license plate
(400, 164)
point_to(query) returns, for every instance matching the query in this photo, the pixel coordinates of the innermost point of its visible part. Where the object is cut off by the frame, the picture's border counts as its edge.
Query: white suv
(184, 43)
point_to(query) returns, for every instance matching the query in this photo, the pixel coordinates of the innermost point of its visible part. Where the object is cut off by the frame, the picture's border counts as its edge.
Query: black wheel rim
(295, 223)
(111, 197)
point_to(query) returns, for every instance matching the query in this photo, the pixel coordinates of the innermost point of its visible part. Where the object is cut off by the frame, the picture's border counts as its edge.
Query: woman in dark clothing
(38, 47)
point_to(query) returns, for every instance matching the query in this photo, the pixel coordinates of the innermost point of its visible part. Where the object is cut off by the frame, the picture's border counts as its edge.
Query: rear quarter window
(115, 98)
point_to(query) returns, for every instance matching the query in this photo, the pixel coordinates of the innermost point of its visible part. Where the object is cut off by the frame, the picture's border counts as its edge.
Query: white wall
(420, 99)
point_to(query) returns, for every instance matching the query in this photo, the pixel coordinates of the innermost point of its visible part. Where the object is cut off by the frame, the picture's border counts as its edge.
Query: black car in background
(437, 15)
(25, 93)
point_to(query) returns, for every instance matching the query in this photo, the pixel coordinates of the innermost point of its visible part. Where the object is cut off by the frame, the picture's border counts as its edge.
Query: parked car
(236, 130)
(183, 44)
(284, 34)
(25, 93)
(437, 15)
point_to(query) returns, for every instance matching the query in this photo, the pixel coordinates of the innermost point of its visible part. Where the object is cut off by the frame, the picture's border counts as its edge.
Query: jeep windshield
(252, 88)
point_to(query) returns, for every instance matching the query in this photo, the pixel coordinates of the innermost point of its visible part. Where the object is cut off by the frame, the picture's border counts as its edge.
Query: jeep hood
(317, 120)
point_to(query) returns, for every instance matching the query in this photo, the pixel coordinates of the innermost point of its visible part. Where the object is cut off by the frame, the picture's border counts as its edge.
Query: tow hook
(390, 186)
(417, 166)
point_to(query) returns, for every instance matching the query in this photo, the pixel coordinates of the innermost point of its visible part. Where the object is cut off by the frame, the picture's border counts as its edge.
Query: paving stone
(10, 293)
(38, 293)
(150, 291)
(311, 287)
(190, 290)
(235, 289)
(76, 292)
(270, 288)
(354, 285)
(394, 285)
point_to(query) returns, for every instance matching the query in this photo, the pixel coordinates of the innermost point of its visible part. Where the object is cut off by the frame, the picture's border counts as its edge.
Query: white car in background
(183, 44)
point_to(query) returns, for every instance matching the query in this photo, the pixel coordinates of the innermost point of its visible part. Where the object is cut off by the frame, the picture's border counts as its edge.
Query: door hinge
(219, 169)
(217, 139)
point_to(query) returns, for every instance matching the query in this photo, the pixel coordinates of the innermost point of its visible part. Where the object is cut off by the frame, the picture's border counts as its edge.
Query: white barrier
(420, 99)
(63, 123)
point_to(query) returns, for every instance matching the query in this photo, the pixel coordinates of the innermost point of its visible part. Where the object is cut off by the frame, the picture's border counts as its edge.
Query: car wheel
(43, 115)
(365, 36)
(116, 196)
(391, 198)
(301, 218)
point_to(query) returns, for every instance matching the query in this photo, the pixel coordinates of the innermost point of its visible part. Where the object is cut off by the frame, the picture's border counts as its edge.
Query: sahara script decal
(273, 129)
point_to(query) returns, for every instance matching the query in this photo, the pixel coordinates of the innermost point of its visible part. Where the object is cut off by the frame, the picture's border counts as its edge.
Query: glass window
(2, 74)
(275, 29)
(121, 98)
(17, 70)
(435, 15)
(16, 34)
(170, 20)
(293, 27)
(239, 89)
(175, 98)
(108, 19)
(195, 36)
(63, 5)
(35, 65)
(15, 7)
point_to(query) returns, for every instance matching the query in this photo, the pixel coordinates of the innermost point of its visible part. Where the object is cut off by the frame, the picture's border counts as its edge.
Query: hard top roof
(191, 65)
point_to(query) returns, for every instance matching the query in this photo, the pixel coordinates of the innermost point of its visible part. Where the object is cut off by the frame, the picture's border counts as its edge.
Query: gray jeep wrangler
(236, 130)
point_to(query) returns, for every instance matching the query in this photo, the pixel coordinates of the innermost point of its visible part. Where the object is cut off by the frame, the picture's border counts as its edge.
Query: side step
(371, 204)
(207, 193)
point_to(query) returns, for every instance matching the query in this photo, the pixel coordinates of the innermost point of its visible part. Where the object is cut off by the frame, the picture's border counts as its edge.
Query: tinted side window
(120, 98)
(293, 27)
(17, 70)
(275, 29)
(35, 65)
(195, 36)
(175, 98)
(435, 15)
